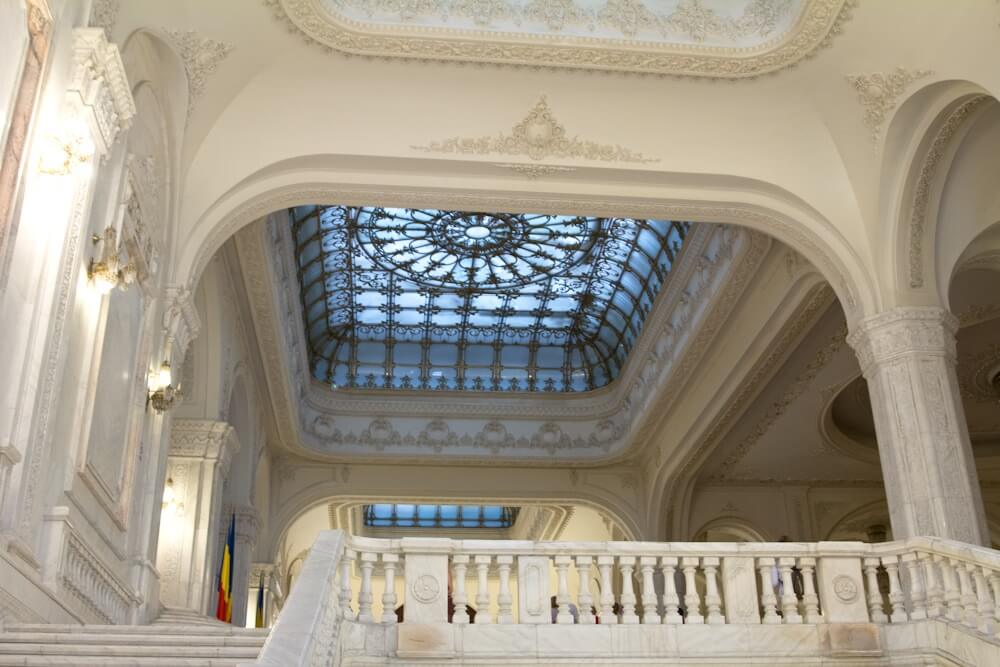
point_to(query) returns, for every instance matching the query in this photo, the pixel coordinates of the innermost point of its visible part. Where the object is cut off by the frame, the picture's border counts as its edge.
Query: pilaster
(908, 357)
(197, 466)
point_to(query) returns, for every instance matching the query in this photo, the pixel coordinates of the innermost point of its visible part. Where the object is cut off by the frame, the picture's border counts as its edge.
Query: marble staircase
(163, 644)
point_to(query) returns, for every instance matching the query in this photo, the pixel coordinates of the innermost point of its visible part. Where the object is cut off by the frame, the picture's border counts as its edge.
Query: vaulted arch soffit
(718, 199)
(936, 197)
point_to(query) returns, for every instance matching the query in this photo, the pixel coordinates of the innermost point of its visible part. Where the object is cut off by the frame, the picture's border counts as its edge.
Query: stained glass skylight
(400, 515)
(417, 299)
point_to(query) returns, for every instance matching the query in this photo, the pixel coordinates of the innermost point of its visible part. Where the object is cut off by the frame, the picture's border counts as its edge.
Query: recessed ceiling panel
(418, 299)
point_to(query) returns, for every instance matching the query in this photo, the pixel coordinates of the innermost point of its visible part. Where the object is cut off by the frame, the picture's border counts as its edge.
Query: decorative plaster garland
(201, 58)
(878, 91)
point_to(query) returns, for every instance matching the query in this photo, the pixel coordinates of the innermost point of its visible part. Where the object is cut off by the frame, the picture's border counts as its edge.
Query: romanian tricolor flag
(224, 609)
(259, 622)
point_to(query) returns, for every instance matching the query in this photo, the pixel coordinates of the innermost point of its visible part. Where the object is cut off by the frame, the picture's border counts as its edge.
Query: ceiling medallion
(482, 250)
(538, 136)
(730, 39)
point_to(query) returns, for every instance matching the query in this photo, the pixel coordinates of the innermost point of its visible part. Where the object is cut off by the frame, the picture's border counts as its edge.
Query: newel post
(425, 631)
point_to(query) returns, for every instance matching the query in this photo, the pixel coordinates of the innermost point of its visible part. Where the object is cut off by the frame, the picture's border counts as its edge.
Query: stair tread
(165, 629)
(121, 661)
(130, 650)
(150, 638)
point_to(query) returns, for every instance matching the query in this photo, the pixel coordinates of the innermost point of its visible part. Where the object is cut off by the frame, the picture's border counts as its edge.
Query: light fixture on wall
(61, 151)
(163, 395)
(107, 272)
(170, 504)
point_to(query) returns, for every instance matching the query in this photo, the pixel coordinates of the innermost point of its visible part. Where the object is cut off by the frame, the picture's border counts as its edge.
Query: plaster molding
(202, 439)
(878, 92)
(925, 182)
(798, 386)
(99, 86)
(902, 331)
(978, 314)
(718, 260)
(813, 306)
(201, 58)
(180, 322)
(818, 23)
(976, 372)
(534, 171)
(104, 15)
(538, 136)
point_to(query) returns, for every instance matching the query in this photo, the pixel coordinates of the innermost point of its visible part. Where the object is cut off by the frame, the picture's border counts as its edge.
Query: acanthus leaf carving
(538, 136)
(878, 92)
(201, 58)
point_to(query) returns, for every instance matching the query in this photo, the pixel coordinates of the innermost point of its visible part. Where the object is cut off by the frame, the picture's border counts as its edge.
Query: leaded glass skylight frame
(418, 299)
(407, 515)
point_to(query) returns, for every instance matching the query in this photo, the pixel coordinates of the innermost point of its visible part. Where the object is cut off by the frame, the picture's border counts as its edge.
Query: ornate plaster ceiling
(715, 38)
(717, 264)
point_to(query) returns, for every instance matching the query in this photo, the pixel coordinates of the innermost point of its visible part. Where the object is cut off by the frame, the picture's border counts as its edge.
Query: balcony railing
(443, 583)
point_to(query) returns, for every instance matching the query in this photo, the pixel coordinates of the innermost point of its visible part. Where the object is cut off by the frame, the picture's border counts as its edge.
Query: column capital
(100, 86)
(904, 330)
(204, 439)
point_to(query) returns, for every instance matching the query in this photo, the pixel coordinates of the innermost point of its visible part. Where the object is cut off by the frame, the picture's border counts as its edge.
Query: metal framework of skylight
(403, 515)
(416, 299)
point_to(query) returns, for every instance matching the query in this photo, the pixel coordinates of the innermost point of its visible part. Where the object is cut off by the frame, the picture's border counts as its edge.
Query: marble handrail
(620, 583)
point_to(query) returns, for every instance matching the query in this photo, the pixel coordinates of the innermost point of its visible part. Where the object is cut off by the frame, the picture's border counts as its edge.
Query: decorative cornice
(104, 14)
(202, 438)
(180, 322)
(820, 20)
(925, 180)
(99, 86)
(883, 337)
(201, 58)
(538, 136)
(878, 92)
(799, 385)
(815, 303)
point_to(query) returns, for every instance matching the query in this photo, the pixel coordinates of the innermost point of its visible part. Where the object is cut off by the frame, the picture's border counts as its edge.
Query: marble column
(197, 466)
(908, 357)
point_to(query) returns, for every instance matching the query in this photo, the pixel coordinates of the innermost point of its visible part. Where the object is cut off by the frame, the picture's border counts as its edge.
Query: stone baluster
(768, 601)
(896, 597)
(482, 590)
(995, 585)
(389, 562)
(650, 615)
(952, 592)
(626, 564)
(934, 591)
(584, 598)
(365, 596)
(969, 602)
(604, 565)
(459, 563)
(918, 596)
(563, 615)
(671, 603)
(789, 603)
(505, 613)
(810, 600)
(875, 609)
(692, 601)
(346, 594)
(984, 600)
(713, 602)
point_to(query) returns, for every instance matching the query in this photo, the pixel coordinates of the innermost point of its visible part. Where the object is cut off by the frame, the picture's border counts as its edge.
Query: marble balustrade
(639, 583)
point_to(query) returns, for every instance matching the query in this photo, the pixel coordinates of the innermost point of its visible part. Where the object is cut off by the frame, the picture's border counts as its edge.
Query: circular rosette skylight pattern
(481, 250)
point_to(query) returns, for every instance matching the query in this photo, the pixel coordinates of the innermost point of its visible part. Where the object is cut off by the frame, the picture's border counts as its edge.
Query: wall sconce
(107, 272)
(162, 393)
(61, 152)
(170, 504)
